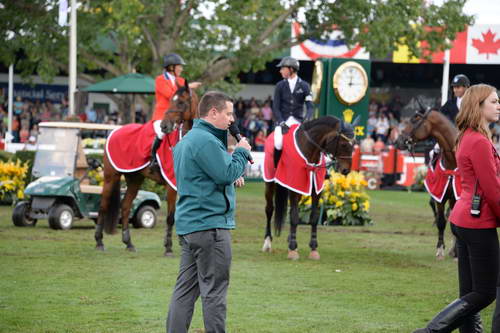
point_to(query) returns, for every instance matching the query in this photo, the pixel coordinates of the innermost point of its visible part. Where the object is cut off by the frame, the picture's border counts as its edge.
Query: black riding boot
(154, 148)
(450, 318)
(277, 155)
(472, 324)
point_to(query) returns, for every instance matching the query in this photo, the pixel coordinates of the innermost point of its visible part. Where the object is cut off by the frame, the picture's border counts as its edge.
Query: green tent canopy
(133, 83)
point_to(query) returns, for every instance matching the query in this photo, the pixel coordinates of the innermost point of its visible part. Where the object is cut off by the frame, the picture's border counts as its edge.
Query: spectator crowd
(254, 119)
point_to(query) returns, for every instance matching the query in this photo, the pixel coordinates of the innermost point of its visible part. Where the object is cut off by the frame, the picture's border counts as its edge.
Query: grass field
(380, 278)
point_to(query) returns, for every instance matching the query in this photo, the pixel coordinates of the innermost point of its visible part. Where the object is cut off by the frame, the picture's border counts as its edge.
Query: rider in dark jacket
(290, 95)
(460, 83)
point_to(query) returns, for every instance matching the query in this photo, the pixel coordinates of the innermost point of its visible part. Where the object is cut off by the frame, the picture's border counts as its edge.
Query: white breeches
(157, 128)
(278, 136)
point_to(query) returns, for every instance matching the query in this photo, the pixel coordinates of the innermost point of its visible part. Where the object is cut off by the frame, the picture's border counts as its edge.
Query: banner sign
(41, 92)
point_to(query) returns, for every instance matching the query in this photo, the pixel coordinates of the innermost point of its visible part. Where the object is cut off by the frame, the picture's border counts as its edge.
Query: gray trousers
(204, 270)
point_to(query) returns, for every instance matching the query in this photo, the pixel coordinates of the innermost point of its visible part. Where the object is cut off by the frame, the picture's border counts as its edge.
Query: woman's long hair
(470, 114)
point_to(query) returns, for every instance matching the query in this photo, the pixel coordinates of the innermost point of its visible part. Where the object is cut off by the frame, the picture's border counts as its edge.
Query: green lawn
(380, 278)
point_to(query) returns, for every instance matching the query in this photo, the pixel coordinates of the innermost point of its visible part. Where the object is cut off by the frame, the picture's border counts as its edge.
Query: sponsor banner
(41, 92)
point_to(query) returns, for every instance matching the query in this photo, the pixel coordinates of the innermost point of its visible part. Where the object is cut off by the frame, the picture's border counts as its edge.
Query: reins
(331, 156)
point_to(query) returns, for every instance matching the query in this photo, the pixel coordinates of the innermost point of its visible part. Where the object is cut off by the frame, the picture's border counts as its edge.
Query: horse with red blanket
(442, 180)
(301, 171)
(128, 154)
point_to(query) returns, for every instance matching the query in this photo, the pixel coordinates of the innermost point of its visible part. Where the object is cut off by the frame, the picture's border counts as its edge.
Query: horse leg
(293, 253)
(134, 182)
(268, 238)
(441, 225)
(432, 203)
(108, 206)
(313, 220)
(167, 242)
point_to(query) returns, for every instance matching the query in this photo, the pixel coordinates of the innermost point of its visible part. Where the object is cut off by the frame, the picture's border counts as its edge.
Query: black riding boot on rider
(154, 149)
(276, 156)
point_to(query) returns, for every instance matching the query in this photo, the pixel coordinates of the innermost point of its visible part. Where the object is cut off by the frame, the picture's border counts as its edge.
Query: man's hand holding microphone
(242, 142)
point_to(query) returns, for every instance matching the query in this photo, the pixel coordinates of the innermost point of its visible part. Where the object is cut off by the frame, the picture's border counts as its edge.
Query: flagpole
(8, 135)
(446, 74)
(72, 59)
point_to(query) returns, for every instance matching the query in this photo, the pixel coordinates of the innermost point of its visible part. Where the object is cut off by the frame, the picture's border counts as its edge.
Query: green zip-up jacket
(205, 173)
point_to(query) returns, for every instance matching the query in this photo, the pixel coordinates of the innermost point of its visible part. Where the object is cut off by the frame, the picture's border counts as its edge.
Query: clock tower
(341, 88)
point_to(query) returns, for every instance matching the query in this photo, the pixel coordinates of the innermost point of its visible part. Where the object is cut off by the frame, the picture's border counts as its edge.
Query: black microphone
(235, 132)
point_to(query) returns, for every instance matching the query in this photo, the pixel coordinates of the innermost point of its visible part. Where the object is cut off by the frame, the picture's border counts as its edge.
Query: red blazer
(164, 91)
(477, 159)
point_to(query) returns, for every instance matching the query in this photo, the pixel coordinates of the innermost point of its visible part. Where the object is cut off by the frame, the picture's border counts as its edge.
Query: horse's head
(332, 136)
(418, 128)
(342, 145)
(182, 108)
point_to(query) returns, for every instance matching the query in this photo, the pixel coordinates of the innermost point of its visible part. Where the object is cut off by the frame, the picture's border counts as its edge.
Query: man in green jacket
(206, 175)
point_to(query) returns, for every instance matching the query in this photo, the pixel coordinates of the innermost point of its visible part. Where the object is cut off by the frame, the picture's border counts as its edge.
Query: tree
(218, 38)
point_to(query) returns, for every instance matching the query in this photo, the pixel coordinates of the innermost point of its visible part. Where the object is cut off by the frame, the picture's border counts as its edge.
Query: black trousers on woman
(478, 263)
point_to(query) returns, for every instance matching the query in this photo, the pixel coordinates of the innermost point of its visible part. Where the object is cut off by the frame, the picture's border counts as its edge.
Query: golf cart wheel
(145, 218)
(20, 215)
(61, 217)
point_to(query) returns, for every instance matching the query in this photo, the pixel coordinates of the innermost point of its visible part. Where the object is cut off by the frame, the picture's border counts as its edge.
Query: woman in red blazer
(475, 225)
(166, 85)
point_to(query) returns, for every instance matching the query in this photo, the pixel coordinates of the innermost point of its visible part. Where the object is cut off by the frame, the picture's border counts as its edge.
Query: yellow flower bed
(12, 179)
(344, 200)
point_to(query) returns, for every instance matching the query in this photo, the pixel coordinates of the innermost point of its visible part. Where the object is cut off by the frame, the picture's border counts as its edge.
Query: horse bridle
(188, 104)
(332, 156)
(423, 117)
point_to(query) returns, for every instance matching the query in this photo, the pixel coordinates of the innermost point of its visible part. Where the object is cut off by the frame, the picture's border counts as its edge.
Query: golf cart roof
(87, 126)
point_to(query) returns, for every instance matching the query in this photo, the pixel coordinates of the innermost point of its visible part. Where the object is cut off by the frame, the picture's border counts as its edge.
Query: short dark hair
(213, 99)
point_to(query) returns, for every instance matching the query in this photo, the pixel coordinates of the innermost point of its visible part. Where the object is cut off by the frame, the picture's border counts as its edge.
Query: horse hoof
(168, 254)
(314, 255)
(99, 247)
(293, 254)
(440, 253)
(131, 249)
(267, 245)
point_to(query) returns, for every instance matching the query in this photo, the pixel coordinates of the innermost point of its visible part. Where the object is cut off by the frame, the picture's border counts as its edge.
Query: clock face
(350, 82)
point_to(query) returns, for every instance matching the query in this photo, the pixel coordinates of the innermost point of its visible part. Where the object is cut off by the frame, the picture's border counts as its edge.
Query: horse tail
(280, 204)
(112, 214)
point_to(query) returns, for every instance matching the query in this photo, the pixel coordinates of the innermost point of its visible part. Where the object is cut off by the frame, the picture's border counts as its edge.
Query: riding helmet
(289, 62)
(460, 80)
(172, 59)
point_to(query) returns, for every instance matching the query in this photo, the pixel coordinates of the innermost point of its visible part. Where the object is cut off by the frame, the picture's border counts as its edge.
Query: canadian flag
(478, 44)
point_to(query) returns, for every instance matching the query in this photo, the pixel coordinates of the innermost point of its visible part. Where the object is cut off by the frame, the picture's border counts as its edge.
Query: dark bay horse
(182, 110)
(424, 124)
(330, 136)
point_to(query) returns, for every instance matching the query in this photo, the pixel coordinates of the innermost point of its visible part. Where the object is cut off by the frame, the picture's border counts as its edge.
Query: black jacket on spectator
(286, 103)
(450, 109)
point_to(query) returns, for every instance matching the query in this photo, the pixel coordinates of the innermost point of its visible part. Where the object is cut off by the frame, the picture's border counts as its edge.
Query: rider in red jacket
(166, 84)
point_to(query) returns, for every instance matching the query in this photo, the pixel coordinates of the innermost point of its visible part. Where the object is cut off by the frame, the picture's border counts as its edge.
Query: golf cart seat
(94, 189)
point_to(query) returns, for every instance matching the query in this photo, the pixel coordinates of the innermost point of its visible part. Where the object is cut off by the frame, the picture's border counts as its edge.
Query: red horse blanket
(294, 171)
(129, 150)
(438, 179)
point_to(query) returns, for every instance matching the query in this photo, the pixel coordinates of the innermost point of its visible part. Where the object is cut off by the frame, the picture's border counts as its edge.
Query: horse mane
(330, 121)
(446, 120)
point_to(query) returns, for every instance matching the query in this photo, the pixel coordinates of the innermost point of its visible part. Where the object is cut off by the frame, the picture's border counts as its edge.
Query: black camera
(475, 209)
